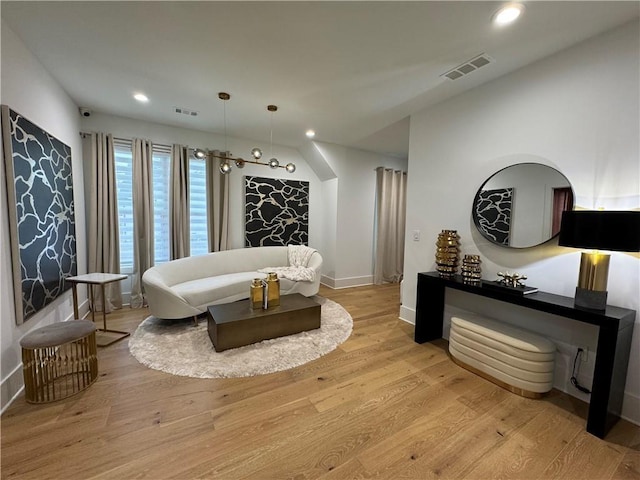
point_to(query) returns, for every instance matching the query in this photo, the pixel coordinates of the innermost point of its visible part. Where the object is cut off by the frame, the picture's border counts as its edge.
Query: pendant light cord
(224, 114)
(271, 136)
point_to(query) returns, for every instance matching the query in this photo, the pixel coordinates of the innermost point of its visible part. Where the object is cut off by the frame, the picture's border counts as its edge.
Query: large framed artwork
(493, 214)
(276, 212)
(41, 213)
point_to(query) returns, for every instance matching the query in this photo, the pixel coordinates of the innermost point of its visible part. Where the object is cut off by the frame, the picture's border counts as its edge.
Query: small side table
(101, 279)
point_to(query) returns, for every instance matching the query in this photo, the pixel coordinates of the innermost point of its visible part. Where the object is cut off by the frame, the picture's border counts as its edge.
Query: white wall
(578, 110)
(330, 225)
(356, 190)
(29, 89)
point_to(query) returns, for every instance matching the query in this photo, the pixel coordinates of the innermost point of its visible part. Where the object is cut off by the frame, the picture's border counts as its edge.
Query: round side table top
(57, 334)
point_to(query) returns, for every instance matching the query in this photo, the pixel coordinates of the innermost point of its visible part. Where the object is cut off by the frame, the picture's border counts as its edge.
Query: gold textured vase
(256, 293)
(471, 270)
(448, 253)
(274, 289)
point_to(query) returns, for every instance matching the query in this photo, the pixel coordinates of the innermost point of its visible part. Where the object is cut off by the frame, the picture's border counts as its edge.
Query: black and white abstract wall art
(493, 214)
(41, 213)
(276, 212)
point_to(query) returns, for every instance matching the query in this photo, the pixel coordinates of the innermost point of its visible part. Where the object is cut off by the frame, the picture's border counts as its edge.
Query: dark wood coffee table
(233, 325)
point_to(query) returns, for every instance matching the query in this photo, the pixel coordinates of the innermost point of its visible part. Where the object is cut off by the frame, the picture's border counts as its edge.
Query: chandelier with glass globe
(256, 153)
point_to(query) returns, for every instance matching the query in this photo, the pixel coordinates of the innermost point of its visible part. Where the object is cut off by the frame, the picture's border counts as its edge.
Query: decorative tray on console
(520, 290)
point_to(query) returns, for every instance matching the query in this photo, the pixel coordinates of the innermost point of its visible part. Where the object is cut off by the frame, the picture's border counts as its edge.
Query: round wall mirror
(521, 205)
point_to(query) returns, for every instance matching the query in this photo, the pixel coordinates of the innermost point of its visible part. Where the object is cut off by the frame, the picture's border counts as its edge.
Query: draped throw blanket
(298, 269)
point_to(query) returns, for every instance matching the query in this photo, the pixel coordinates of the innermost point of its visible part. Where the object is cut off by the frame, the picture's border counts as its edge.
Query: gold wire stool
(59, 360)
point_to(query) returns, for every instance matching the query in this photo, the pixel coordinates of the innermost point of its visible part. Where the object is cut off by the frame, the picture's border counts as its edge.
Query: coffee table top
(237, 311)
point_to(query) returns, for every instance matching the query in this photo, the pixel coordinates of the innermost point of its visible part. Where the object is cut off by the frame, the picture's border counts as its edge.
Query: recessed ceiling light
(310, 133)
(141, 97)
(508, 14)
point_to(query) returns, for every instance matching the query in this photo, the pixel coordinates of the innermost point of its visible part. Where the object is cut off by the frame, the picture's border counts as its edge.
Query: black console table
(615, 329)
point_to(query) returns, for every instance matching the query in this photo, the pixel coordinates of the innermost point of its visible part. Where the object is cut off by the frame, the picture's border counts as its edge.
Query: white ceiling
(353, 71)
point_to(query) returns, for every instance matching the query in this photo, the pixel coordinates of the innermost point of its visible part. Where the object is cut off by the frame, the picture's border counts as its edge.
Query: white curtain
(104, 239)
(179, 223)
(142, 217)
(390, 225)
(217, 205)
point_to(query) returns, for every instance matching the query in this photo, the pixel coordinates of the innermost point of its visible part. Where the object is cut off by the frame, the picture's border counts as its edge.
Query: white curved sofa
(187, 286)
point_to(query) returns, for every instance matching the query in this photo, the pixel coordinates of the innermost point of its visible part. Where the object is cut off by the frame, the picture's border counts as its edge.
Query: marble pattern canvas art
(41, 213)
(493, 213)
(276, 212)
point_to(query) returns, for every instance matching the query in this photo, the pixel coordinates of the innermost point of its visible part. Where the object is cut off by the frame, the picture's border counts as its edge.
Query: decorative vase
(448, 253)
(256, 294)
(273, 284)
(471, 270)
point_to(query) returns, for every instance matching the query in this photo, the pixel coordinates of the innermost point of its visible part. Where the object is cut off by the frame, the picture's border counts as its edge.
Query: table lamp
(617, 231)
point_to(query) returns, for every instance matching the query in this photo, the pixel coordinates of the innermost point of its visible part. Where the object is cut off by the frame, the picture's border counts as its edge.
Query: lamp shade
(618, 231)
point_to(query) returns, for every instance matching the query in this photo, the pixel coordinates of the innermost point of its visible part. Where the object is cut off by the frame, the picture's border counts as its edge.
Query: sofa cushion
(204, 291)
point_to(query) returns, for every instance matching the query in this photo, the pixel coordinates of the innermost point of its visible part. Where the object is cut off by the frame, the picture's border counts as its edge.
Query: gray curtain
(104, 238)
(217, 205)
(143, 243)
(179, 221)
(391, 189)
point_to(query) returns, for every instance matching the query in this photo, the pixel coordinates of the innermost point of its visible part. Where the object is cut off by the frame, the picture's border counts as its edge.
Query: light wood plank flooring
(380, 406)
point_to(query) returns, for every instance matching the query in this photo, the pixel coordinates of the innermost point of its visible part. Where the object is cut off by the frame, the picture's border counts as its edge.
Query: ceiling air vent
(469, 66)
(186, 111)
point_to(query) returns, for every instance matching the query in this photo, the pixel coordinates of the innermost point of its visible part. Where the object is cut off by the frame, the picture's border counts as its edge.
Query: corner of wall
(317, 161)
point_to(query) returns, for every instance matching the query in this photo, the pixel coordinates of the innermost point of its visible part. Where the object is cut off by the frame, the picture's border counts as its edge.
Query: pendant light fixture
(256, 153)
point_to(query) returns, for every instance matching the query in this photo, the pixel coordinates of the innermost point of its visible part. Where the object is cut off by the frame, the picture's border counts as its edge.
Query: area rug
(181, 348)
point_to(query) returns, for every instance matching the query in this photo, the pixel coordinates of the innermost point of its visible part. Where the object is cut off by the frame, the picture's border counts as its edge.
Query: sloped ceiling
(353, 71)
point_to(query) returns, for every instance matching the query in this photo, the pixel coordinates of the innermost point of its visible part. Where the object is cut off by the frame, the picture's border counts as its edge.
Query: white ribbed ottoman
(516, 359)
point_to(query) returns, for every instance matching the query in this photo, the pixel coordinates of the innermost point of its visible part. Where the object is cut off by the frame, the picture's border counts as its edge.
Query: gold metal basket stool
(59, 360)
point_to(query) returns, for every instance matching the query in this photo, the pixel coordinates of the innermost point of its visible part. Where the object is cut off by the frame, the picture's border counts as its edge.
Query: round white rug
(181, 348)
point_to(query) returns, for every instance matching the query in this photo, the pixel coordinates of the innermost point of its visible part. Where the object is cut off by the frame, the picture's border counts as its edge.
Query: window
(161, 204)
(198, 207)
(161, 176)
(124, 191)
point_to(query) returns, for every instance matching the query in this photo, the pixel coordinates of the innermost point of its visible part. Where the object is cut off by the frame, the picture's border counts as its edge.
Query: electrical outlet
(416, 235)
(584, 358)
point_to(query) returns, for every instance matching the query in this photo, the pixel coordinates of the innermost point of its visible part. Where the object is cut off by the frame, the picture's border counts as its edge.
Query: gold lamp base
(591, 291)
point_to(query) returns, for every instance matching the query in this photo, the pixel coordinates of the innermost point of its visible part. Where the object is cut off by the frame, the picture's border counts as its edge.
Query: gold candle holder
(471, 270)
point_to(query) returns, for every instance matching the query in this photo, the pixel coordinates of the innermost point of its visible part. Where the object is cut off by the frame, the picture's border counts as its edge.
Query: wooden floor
(380, 406)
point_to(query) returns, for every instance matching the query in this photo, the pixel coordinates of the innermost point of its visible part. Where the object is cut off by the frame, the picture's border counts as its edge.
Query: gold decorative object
(256, 293)
(448, 253)
(513, 280)
(273, 288)
(471, 270)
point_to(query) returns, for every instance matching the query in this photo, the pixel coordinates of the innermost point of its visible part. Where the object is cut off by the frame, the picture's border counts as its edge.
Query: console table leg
(429, 310)
(609, 377)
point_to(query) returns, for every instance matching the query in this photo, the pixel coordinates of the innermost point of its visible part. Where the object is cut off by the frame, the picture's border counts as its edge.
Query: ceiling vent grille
(469, 66)
(186, 111)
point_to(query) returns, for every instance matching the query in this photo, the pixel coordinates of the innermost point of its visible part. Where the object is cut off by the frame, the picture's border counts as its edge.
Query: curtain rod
(126, 140)
(389, 170)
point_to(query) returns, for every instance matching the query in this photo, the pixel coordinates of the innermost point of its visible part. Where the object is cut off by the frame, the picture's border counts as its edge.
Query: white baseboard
(11, 387)
(337, 283)
(408, 314)
(631, 408)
